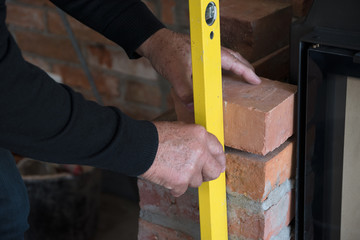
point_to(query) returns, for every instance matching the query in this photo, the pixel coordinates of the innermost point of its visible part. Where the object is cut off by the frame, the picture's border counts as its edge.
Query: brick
(75, 77)
(38, 61)
(255, 28)
(244, 223)
(143, 93)
(256, 176)
(156, 199)
(168, 11)
(139, 111)
(81, 32)
(117, 60)
(257, 118)
(301, 7)
(275, 65)
(154, 6)
(25, 16)
(151, 231)
(182, 112)
(46, 46)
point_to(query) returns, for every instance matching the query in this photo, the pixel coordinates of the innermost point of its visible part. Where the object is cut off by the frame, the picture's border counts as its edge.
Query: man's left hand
(170, 54)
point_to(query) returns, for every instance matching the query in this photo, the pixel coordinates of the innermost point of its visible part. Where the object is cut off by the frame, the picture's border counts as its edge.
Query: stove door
(328, 184)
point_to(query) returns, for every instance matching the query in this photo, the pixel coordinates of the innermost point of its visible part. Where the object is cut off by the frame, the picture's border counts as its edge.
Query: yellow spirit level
(208, 104)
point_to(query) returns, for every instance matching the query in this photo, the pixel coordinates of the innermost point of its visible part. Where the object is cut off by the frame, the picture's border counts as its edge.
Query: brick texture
(256, 176)
(257, 118)
(46, 46)
(131, 85)
(301, 7)
(25, 16)
(38, 61)
(275, 65)
(151, 231)
(254, 223)
(115, 59)
(75, 77)
(255, 28)
(158, 200)
(143, 93)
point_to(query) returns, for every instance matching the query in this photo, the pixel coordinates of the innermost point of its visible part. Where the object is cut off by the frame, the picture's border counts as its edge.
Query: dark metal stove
(326, 67)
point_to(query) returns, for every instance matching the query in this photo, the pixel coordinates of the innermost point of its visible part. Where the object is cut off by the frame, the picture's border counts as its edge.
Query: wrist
(145, 49)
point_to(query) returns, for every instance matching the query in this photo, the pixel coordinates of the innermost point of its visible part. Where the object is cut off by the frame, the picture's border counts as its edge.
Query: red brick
(301, 7)
(143, 93)
(75, 77)
(81, 32)
(46, 46)
(117, 60)
(38, 61)
(25, 16)
(168, 11)
(153, 5)
(255, 28)
(151, 231)
(182, 112)
(242, 223)
(257, 118)
(256, 176)
(139, 111)
(157, 199)
(275, 65)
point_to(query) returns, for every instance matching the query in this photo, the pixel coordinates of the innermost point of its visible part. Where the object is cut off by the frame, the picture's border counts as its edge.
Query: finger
(211, 169)
(216, 150)
(196, 180)
(184, 91)
(179, 190)
(236, 55)
(232, 64)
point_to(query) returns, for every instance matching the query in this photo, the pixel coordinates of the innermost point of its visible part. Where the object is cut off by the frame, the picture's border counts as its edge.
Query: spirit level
(208, 104)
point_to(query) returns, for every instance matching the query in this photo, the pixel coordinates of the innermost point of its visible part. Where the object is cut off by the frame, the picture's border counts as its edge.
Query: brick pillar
(258, 124)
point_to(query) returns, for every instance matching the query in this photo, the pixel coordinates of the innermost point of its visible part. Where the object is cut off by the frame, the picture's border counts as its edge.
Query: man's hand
(187, 156)
(170, 55)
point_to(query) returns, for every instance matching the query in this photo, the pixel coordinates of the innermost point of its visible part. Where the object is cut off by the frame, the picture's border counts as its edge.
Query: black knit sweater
(42, 119)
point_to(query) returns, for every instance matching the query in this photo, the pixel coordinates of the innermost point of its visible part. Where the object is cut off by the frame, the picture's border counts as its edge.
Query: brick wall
(260, 176)
(258, 124)
(259, 128)
(124, 83)
(131, 85)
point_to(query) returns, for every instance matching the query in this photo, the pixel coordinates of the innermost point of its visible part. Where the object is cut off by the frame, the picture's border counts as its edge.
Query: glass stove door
(332, 146)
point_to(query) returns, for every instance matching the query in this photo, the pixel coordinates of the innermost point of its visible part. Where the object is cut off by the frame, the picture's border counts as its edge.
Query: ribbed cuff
(139, 146)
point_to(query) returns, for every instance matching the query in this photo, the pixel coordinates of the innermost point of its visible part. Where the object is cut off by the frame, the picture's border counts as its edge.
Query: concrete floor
(118, 219)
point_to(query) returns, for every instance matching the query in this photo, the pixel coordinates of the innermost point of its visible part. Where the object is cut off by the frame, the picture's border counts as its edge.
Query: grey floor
(118, 218)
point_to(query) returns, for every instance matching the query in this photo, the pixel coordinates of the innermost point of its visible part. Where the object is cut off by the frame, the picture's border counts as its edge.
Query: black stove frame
(325, 50)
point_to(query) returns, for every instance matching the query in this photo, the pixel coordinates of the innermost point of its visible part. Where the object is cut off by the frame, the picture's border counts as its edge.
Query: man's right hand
(187, 156)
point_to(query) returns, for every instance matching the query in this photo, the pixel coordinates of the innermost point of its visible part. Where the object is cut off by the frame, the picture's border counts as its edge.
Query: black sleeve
(48, 121)
(126, 22)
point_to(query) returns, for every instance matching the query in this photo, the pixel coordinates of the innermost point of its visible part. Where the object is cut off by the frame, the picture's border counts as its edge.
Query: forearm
(127, 22)
(48, 121)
